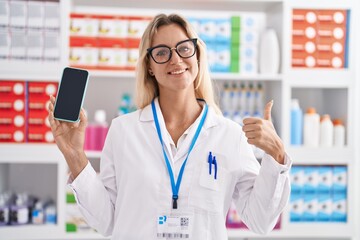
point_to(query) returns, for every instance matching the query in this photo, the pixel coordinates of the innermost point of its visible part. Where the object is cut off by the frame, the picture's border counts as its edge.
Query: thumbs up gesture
(261, 133)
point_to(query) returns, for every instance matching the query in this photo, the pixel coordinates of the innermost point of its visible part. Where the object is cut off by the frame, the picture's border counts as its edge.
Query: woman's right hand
(70, 138)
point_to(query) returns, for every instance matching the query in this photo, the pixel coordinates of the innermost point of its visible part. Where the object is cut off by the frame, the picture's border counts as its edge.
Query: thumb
(267, 110)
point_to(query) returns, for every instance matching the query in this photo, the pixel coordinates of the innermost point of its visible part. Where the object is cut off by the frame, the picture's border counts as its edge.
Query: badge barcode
(173, 235)
(184, 222)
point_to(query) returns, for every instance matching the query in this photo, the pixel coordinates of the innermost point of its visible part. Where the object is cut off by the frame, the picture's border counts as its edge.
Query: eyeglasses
(162, 53)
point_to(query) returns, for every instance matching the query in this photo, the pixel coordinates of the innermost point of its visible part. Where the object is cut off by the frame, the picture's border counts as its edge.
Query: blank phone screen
(70, 94)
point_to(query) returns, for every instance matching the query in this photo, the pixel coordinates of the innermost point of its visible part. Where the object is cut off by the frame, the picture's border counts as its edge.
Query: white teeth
(178, 72)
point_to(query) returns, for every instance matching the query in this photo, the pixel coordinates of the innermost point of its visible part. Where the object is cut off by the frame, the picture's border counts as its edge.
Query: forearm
(76, 161)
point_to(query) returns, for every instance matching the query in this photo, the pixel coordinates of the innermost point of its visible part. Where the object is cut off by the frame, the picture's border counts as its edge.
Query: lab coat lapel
(147, 115)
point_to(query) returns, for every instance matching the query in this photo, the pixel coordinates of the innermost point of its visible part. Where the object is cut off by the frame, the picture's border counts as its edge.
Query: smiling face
(178, 74)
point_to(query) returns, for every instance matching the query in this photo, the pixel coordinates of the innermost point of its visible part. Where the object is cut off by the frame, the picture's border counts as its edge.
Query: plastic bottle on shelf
(311, 128)
(339, 133)
(326, 131)
(4, 211)
(98, 131)
(296, 129)
(269, 52)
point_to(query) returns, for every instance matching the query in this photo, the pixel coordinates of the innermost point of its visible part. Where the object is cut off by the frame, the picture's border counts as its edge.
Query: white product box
(339, 180)
(310, 207)
(311, 180)
(35, 46)
(296, 207)
(211, 56)
(84, 56)
(249, 37)
(18, 45)
(248, 52)
(132, 57)
(248, 66)
(4, 14)
(324, 208)
(84, 26)
(325, 180)
(137, 28)
(114, 28)
(223, 30)
(339, 208)
(4, 45)
(222, 58)
(52, 15)
(51, 46)
(297, 179)
(35, 15)
(208, 30)
(250, 22)
(113, 57)
(18, 14)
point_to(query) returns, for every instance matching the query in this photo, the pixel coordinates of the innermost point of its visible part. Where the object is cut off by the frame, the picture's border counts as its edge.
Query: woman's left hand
(261, 133)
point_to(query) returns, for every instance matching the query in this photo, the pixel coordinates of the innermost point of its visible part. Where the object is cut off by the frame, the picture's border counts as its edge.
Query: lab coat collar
(211, 120)
(146, 115)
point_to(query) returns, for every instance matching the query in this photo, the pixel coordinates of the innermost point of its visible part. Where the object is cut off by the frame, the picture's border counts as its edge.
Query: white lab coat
(133, 186)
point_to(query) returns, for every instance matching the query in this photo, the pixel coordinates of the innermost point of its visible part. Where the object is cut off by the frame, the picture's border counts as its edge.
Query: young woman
(172, 168)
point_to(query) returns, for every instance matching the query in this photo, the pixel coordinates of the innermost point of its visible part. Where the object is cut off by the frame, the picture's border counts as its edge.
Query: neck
(177, 109)
(179, 113)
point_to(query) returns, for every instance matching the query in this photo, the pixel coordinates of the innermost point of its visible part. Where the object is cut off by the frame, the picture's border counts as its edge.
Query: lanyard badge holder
(176, 186)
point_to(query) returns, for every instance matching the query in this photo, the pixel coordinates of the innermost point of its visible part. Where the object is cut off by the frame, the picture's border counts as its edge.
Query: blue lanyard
(175, 187)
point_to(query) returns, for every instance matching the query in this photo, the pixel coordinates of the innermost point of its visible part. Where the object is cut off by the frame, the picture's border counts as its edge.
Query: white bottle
(311, 128)
(269, 52)
(339, 133)
(326, 131)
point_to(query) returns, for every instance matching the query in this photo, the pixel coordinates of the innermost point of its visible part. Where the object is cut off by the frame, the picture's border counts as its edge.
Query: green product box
(235, 22)
(70, 198)
(71, 227)
(235, 37)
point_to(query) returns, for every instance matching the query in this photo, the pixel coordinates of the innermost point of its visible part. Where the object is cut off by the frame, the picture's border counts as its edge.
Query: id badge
(176, 225)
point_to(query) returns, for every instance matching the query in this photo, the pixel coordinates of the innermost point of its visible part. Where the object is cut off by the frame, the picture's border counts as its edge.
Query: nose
(175, 58)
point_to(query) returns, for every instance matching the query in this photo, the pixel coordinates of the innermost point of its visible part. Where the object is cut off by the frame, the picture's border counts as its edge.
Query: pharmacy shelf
(321, 4)
(30, 231)
(226, 5)
(30, 71)
(323, 156)
(300, 230)
(29, 153)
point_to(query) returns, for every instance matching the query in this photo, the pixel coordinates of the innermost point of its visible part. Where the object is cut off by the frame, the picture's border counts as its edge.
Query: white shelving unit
(331, 89)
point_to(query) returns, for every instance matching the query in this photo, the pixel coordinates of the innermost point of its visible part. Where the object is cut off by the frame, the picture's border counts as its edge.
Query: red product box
(12, 119)
(12, 134)
(42, 89)
(12, 104)
(303, 59)
(40, 134)
(14, 89)
(38, 104)
(38, 119)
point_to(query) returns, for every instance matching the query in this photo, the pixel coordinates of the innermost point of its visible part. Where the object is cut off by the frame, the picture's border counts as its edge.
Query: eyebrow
(164, 45)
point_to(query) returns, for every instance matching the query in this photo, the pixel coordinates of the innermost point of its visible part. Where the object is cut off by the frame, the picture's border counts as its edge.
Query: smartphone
(71, 94)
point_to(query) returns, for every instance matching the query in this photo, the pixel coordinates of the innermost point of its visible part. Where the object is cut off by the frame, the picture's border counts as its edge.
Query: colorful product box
(325, 176)
(113, 27)
(310, 208)
(84, 25)
(339, 208)
(339, 180)
(297, 179)
(296, 207)
(324, 208)
(311, 180)
(137, 26)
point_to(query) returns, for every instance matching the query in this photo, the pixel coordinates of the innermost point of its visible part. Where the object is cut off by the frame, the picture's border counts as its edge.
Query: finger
(251, 120)
(267, 110)
(83, 119)
(53, 122)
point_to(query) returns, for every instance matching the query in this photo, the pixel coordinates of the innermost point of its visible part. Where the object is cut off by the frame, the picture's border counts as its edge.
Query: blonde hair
(146, 85)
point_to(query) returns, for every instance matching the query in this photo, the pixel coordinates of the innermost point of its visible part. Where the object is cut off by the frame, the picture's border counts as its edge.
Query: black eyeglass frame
(193, 40)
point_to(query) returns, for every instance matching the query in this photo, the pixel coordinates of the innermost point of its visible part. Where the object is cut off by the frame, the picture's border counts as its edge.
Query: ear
(151, 72)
